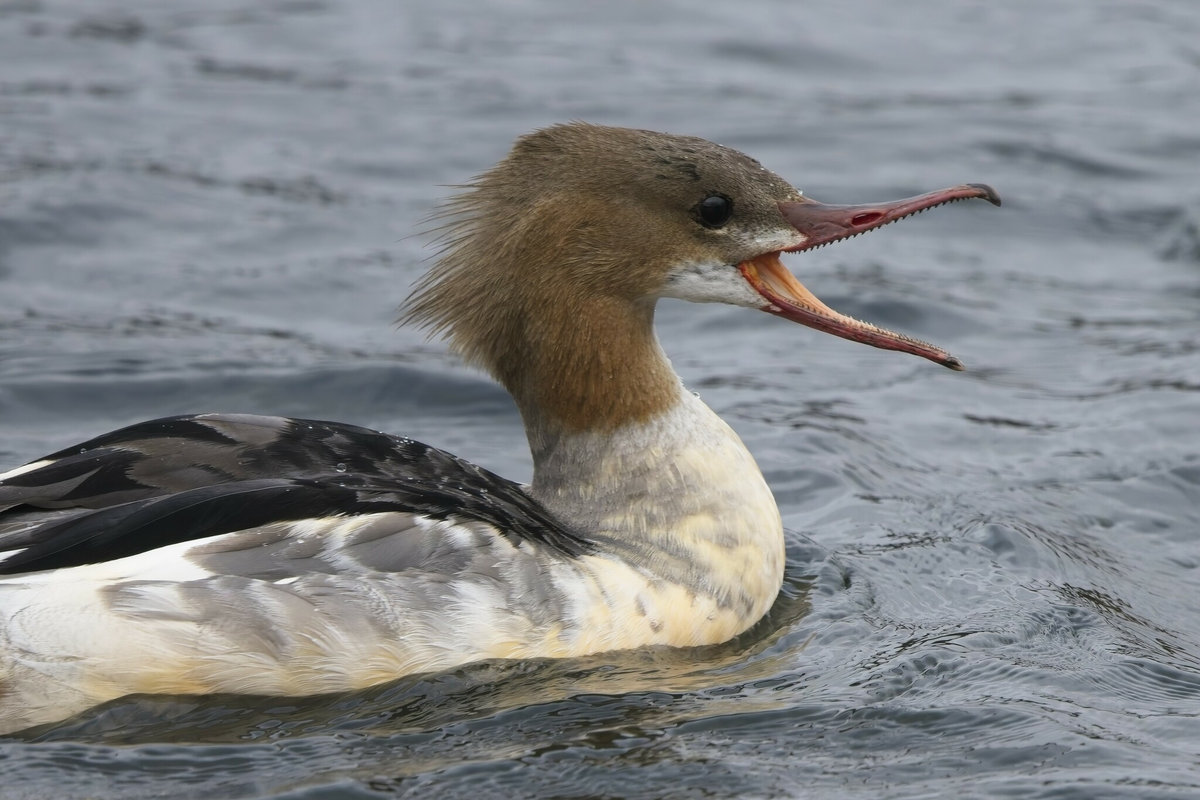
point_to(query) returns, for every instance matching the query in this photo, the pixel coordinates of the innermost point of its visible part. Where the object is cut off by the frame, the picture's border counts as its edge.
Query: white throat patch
(710, 282)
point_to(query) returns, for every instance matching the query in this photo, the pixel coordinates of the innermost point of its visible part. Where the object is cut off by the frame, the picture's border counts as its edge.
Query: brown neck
(590, 366)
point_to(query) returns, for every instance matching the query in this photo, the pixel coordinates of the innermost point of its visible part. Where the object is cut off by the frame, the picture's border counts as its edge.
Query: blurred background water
(992, 584)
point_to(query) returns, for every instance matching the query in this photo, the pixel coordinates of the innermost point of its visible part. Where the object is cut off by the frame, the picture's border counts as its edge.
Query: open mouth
(823, 224)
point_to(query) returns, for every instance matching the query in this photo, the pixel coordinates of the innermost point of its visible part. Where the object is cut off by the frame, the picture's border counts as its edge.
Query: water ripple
(992, 577)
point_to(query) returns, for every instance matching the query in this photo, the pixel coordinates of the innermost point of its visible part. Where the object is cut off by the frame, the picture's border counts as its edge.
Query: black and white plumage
(240, 553)
(177, 479)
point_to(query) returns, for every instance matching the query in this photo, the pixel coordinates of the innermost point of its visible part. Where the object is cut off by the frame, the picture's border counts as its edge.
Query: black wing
(183, 478)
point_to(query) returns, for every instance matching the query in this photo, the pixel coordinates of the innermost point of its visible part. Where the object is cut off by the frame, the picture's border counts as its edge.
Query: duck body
(261, 555)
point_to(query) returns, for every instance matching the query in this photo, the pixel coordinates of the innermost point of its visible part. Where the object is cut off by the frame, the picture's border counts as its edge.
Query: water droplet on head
(340, 467)
(83, 449)
(695, 394)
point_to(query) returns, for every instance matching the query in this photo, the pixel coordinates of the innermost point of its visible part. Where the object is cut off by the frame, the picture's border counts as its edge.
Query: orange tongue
(780, 281)
(790, 299)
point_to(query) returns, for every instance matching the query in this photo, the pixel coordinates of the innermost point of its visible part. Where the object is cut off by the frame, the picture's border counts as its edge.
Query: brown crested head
(553, 259)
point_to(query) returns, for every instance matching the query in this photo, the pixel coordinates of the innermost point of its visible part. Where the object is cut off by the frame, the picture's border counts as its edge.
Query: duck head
(554, 259)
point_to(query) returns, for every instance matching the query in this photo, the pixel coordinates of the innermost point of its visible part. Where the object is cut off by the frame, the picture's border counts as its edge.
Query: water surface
(992, 585)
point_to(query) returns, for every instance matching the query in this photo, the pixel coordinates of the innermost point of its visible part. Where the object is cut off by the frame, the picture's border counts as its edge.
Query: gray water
(992, 581)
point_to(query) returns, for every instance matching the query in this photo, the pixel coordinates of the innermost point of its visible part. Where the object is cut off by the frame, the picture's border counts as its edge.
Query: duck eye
(714, 210)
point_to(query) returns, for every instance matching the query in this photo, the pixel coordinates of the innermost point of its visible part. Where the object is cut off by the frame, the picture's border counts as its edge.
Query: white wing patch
(162, 564)
(5, 556)
(27, 468)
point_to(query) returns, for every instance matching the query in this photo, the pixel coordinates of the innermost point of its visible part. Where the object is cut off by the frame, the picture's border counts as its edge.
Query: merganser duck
(262, 555)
